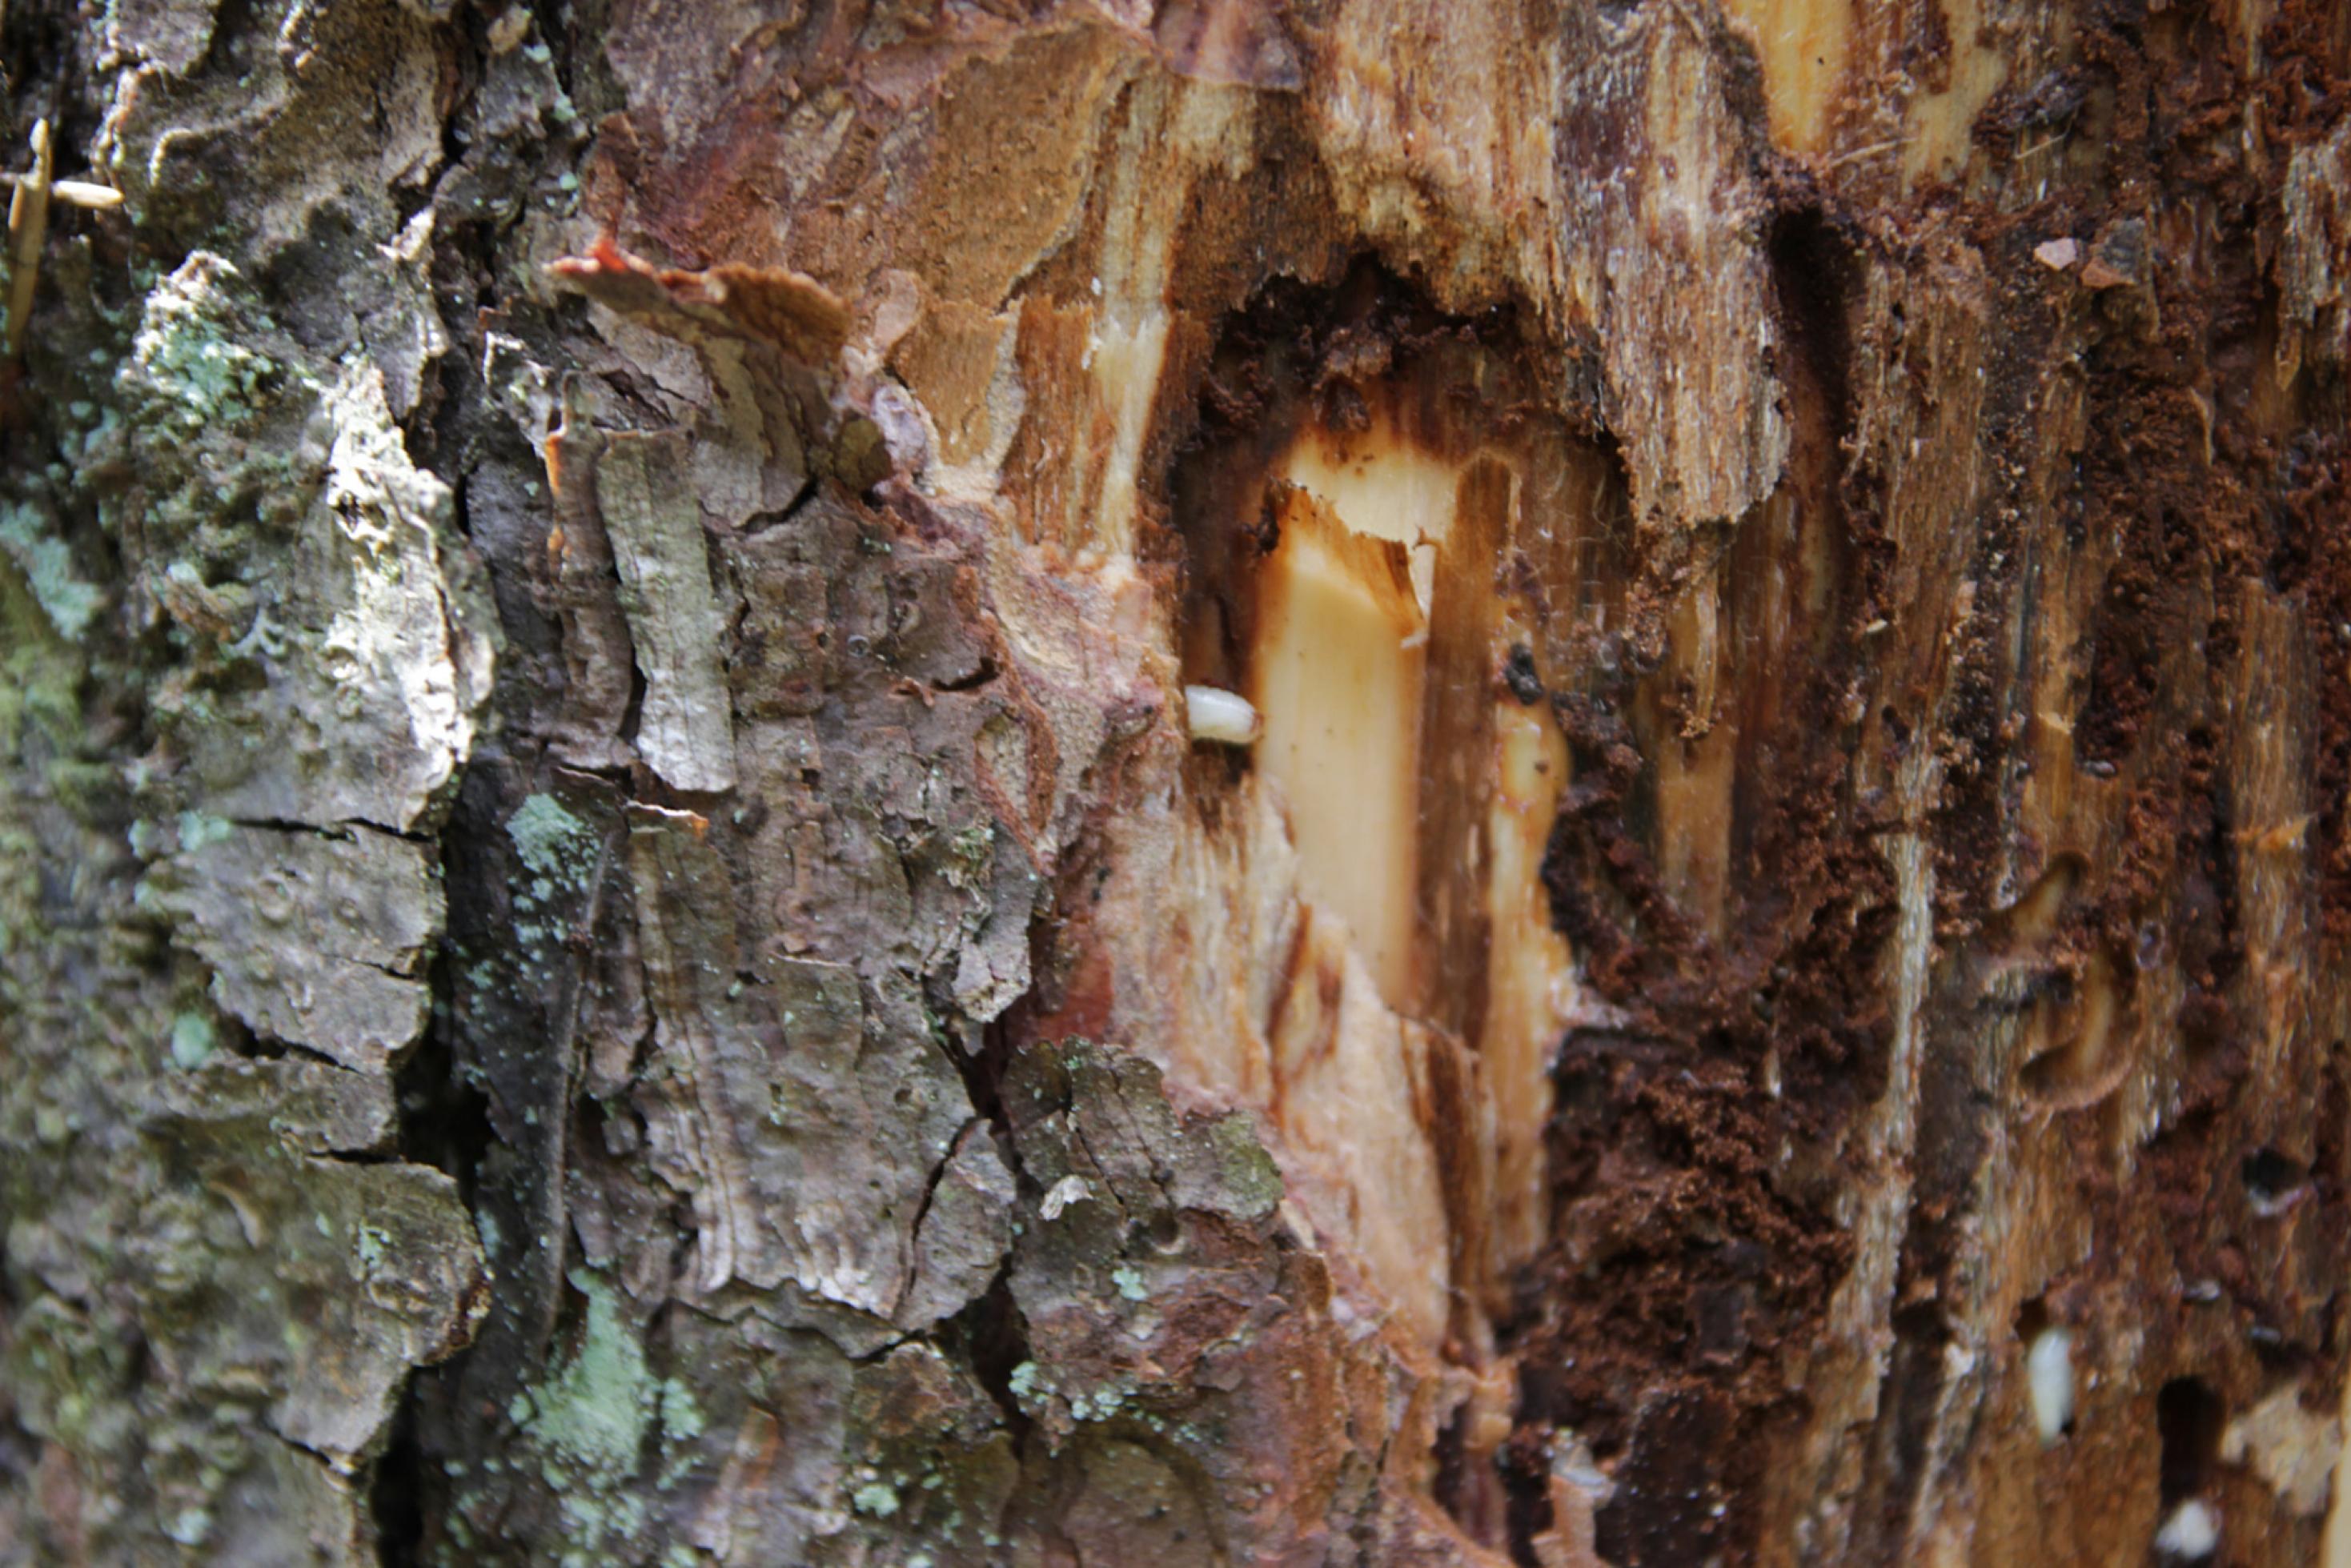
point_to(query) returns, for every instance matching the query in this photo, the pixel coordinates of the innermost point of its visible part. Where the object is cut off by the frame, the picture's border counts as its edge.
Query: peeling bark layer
(616, 947)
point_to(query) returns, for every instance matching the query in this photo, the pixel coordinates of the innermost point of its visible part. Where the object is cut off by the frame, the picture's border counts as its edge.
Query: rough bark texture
(612, 947)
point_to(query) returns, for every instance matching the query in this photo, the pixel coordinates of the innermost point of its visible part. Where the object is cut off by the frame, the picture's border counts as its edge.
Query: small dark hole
(1518, 674)
(1452, 1485)
(2269, 1177)
(396, 1492)
(1163, 1233)
(2188, 1416)
(1526, 1489)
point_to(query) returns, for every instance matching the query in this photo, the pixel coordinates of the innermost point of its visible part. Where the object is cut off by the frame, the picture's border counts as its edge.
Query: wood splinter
(28, 227)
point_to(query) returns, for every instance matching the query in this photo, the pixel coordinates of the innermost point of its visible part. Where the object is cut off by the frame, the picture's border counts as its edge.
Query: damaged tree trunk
(1364, 782)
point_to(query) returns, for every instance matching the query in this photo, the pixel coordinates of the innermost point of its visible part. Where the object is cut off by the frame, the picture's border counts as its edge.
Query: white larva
(2192, 1532)
(2049, 1375)
(1219, 717)
(83, 193)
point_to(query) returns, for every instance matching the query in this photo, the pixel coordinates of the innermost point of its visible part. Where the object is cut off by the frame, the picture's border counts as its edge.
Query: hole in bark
(2189, 1417)
(2271, 1180)
(443, 1122)
(1335, 430)
(396, 1495)
(2074, 1034)
(632, 714)
(1364, 474)
(983, 675)
(2037, 910)
(1452, 1463)
(1526, 1468)
(1815, 271)
(1380, 528)
(996, 1338)
(1913, 1395)
(2122, 678)
(982, 1067)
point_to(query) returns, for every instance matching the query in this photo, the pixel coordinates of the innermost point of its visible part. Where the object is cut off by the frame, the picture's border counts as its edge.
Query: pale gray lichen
(543, 834)
(680, 1416)
(190, 1526)
(199, 829)
(70, 602)
(191, 1041)
(556, 847)
(1248, 1173)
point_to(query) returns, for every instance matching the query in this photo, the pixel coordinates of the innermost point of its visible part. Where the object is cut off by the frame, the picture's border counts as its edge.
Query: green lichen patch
(593, 1411)
(584, 1426)
(200, 829)
(193, 348)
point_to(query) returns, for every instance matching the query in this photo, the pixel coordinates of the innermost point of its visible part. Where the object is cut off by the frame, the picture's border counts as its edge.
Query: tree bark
(1360, 781)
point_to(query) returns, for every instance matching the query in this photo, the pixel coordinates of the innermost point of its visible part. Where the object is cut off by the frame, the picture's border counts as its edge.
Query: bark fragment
(655, 525)
(313, 940)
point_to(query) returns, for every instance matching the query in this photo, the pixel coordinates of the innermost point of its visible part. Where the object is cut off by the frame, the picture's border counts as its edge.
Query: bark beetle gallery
(793, 781)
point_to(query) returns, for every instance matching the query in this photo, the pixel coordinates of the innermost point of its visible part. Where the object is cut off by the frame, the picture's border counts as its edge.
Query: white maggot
(2192, 1532)
(2049, 1373)
(1220, 718)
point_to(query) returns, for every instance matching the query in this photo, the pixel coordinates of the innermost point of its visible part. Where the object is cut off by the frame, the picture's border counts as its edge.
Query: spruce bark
(632, 929)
